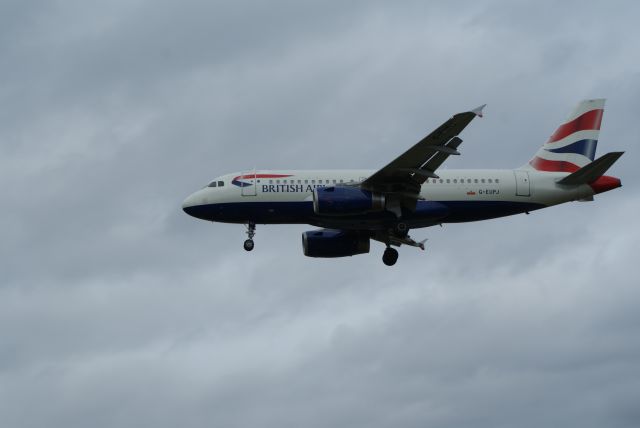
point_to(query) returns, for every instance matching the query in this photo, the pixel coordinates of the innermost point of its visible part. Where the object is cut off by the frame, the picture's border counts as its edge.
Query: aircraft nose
(189, 203)
(200, 205)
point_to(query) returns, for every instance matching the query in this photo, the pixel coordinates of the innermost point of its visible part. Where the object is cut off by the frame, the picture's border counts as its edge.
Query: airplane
(353, 207)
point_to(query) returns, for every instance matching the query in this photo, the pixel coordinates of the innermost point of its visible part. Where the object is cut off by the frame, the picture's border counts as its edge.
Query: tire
(390, 256)
(248, 244)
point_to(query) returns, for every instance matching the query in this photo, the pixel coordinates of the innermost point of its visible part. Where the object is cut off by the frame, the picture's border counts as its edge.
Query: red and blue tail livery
(350, 208)
(573, 144)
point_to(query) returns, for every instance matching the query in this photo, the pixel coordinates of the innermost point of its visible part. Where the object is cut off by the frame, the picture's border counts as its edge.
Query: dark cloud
(116, 309)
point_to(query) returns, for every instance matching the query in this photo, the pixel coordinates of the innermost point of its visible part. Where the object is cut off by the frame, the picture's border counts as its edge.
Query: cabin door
(248, 184)
(523, 185)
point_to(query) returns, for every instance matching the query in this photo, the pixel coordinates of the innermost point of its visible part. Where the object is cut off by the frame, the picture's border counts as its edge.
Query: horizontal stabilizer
(591, 172)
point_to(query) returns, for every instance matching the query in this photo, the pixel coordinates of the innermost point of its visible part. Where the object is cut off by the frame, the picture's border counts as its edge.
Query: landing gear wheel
(248, 244)
(390, 256)
(251, 232)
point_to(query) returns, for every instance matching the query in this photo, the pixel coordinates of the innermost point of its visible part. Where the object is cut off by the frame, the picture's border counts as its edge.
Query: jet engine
(334, 243)
(346, 201)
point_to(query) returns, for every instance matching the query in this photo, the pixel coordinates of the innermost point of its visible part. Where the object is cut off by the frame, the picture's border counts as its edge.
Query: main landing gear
(401, 230)
(390, 256)
(251, 232)
(396, 235)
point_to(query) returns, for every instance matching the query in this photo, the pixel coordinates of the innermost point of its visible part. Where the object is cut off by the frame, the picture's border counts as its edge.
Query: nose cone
(200, 205)
(189, 205)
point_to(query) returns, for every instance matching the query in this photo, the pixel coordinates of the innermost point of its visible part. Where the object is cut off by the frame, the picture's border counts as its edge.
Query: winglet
(478, 111)
(421, 244)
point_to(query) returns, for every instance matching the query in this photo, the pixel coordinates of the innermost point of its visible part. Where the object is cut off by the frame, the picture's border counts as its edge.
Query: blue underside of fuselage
(427, 213)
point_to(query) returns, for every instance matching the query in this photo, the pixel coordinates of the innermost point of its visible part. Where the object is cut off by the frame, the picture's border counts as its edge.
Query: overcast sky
(117, 309)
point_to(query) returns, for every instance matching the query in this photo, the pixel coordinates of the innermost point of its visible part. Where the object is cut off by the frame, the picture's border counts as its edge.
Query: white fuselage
(453, 185)
(286, 196)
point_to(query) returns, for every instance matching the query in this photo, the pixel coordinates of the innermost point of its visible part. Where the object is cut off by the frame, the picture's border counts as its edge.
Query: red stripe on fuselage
(246, 176)
(553, 165)
(588, 121)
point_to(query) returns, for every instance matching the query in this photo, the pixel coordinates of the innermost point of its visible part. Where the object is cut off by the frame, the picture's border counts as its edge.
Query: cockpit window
(220, 183)
(213, 184)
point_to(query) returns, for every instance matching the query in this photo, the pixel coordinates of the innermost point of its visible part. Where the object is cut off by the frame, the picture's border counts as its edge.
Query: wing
(405, 174)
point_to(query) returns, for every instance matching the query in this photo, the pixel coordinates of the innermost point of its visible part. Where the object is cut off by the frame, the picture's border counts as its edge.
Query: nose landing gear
(251, 232)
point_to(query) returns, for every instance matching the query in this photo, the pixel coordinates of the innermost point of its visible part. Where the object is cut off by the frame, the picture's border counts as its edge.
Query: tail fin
(573, 145)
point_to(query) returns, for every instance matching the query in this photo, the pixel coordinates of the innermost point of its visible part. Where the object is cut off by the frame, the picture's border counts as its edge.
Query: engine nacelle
(334, 243)
(346, 201)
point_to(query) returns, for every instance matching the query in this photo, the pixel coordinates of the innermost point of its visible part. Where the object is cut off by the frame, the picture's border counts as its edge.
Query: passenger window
(448, 181)
(441, 181)
(299, 181)
(482, 180)
(497, 181)
(334, 181)
(341, 181)
(306, 181)
(220, 183)
(455, 180)
(270, 181)
(313, 181)
(475, 181)
(468, 180)
(490, 181)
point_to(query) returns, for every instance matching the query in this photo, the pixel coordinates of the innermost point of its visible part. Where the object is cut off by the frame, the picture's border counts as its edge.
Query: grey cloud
(116, 309)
